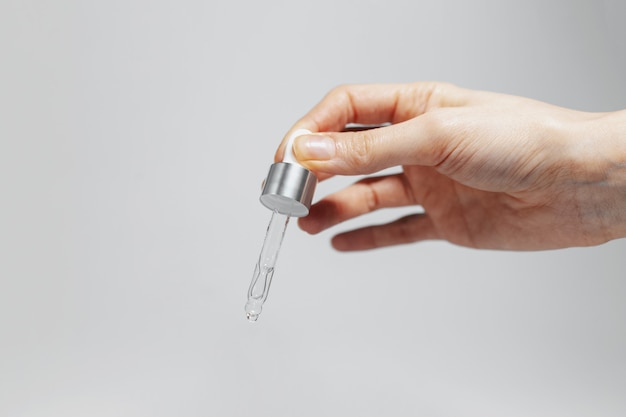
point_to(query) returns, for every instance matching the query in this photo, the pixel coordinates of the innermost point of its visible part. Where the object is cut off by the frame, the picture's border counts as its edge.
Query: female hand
(489, 170)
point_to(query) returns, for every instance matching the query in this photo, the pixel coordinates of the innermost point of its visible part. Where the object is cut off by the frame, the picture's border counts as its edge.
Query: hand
(489, 170)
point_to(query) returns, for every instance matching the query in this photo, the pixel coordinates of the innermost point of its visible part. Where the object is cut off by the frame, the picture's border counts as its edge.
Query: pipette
(288, 192)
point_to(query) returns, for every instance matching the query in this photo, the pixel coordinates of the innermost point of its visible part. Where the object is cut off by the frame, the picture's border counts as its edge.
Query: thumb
(369, 151)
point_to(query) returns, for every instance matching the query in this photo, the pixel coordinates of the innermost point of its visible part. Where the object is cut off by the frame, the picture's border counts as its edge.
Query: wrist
(601, 159)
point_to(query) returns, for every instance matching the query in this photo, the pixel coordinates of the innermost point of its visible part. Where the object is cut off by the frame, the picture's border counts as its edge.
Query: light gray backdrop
(133, 139)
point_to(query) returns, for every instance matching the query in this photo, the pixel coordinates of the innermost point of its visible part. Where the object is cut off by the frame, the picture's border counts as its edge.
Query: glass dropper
(288, 192)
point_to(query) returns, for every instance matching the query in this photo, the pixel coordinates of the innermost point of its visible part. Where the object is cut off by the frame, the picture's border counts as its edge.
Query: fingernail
(314, 147)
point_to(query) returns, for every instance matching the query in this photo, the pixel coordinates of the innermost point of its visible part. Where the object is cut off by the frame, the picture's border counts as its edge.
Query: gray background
(134, 136)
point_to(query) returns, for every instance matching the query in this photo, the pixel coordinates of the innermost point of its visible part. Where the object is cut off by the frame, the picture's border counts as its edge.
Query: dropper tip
(253, 310)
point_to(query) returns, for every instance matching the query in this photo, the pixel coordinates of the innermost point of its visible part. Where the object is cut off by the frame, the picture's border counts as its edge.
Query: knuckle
(439, 126)
(431, 93)
(372, 199)
(341, 91)
(359, 152)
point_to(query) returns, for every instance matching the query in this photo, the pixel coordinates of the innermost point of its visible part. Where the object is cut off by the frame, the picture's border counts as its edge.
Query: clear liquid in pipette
(259, 288)
(264, 269)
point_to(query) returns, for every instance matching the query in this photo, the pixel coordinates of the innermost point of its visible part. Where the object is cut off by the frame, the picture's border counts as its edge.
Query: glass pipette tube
(264, 269)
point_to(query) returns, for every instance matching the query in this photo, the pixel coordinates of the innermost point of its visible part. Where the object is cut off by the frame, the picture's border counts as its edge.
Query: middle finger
(362, 197)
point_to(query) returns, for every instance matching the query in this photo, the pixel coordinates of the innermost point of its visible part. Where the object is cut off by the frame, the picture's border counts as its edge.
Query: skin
(490, 170)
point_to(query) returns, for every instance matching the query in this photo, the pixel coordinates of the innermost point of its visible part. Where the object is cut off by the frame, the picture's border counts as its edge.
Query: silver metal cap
(289, 189)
